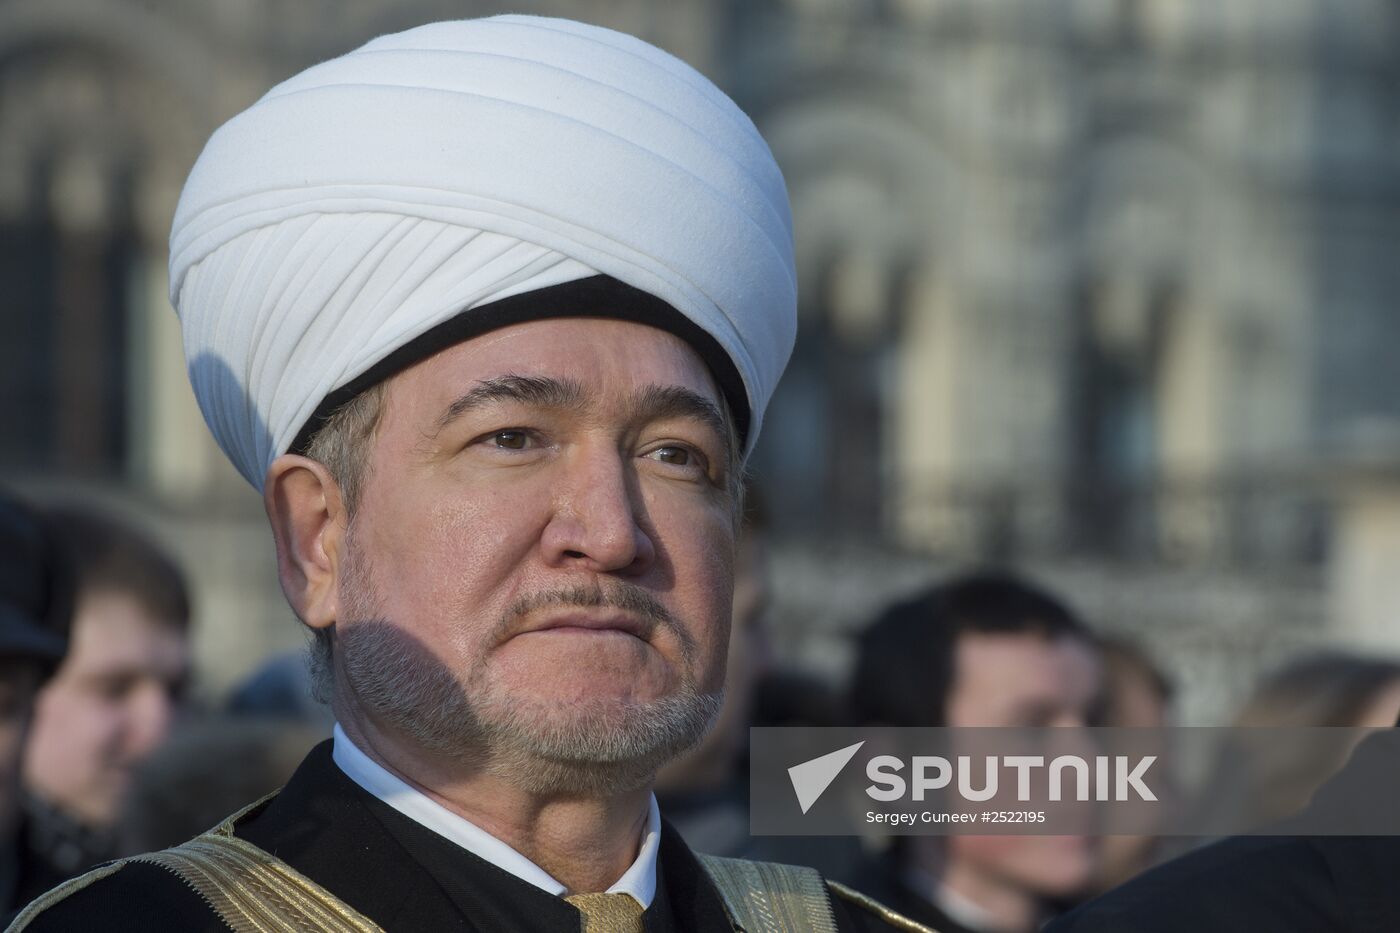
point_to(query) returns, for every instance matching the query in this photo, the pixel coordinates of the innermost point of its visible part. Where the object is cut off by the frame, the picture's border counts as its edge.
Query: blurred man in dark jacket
(113, 699)
(987, 649)
(34, 608)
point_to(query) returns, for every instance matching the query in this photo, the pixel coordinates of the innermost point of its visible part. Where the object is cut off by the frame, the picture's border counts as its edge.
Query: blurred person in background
(208, 769)
(791, 697)
(1327, 689)
(1259, 779)
(114, 697)
(35, 604)
(987, 649)
(281, 688)
(1282, 883)
(1137, 695)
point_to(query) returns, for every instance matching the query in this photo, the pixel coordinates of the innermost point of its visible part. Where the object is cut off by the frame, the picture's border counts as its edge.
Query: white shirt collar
(638, 881)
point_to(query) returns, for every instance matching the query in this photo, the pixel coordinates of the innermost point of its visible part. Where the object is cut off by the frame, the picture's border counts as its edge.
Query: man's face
(1025, 680)
(539, 570)
(110, 705)
(712, 762)
(19, 679)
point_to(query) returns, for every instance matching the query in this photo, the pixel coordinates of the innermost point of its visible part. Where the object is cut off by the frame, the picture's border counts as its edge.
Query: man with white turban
(490, 312)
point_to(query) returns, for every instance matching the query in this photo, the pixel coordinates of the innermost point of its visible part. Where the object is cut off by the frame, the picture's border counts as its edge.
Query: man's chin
(553, 777)
(582, 688)
(596, 746)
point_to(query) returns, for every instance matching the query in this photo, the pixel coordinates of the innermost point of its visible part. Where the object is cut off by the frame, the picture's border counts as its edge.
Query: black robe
(394, 871)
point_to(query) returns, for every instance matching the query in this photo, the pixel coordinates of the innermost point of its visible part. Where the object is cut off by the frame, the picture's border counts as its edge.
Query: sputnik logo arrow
(811, 778)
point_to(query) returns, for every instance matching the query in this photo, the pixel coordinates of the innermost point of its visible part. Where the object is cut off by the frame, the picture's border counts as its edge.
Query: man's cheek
(716, 658)
(11, 739)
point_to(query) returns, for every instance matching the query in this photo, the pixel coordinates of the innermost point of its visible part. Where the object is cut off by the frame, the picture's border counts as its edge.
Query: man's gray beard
(588, 749)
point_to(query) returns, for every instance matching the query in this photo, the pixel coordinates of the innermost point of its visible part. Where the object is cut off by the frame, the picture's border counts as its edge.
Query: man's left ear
(307, 513)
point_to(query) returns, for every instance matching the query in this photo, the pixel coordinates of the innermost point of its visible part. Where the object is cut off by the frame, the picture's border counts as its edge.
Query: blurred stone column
(84, 348)
(171, 452)
(1365, 565)
(1191, 392)
(923, 441)
(858, 297)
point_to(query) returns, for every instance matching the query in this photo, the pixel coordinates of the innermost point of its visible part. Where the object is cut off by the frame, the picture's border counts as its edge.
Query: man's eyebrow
(544, 391)
(653, 403)
(657, 402)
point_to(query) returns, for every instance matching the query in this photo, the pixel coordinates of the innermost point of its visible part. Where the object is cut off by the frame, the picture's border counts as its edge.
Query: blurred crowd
(106, 752)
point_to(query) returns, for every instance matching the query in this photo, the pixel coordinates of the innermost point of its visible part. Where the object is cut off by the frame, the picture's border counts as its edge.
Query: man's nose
(151, 713)
(597, 523)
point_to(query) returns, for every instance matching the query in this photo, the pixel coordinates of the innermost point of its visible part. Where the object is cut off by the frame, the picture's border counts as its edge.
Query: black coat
(397, 873)
(1282, 884)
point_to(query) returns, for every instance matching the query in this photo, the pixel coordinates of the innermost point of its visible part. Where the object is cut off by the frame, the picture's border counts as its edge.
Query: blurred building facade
(1104, 287)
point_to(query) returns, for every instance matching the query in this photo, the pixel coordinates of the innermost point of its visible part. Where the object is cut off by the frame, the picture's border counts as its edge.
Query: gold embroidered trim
(226, 827)
(254, 892)
(251, 890)
(764, 897)
(49, 898)
(896, 920)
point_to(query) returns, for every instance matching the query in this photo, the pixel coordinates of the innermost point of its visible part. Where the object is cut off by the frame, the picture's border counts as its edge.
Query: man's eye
(114, 689)
(510, 440)
(11, 703)
(677, 456)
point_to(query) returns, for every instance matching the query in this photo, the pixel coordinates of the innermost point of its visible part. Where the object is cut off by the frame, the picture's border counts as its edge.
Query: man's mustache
(626, 597)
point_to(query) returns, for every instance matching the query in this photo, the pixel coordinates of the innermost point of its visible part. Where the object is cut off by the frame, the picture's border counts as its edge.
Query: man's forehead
(568, 360)
(108, 615)
(124, 638)
(993, 651)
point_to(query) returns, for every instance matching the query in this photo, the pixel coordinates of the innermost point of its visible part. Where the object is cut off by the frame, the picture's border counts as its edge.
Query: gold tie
(608, 913)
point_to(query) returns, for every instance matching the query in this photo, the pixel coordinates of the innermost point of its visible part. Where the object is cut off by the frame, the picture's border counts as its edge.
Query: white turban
(348, 219)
